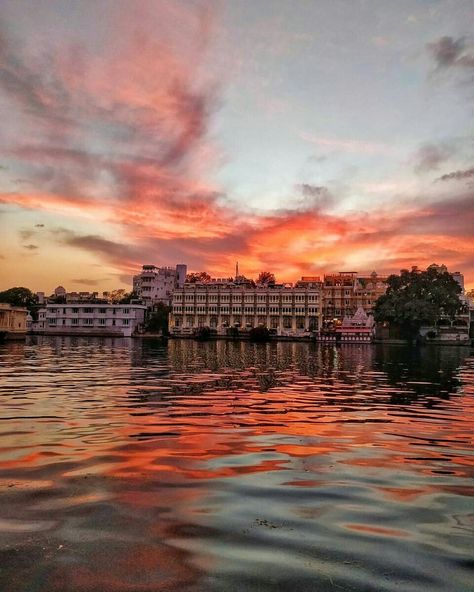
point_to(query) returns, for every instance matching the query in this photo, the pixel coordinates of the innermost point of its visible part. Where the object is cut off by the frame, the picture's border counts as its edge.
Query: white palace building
(288, 310)
(121, 320)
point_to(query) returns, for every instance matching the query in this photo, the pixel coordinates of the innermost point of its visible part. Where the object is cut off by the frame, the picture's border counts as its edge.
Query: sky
(293, 137)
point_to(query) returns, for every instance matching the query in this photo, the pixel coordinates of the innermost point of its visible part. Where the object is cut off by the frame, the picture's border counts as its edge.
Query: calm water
(137, 466)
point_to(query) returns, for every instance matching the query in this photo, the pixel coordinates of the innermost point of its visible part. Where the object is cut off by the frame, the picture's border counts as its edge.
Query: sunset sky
(297, 137)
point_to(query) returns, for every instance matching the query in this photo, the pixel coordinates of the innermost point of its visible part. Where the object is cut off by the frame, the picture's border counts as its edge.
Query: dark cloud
(25, 234)
(457, 175)
(430, 156)
(448, 53)
(31, 247)
(314, 197)
(452, 217)
(86, 282)
(95, 244)
(39, 225)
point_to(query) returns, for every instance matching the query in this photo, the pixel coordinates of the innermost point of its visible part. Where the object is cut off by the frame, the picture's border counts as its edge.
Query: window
(87, 321)
(74, 321)
(287, 322)
(101, 321)
(102, 310)
(87, 310)
(52, 321)
(125, 310)
(125, 322)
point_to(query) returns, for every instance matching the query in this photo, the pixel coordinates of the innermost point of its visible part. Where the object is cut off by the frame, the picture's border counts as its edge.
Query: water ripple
(136, 465)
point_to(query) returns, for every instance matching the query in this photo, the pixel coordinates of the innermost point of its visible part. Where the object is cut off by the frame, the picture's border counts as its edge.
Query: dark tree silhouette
(415, 298)
(266, 278)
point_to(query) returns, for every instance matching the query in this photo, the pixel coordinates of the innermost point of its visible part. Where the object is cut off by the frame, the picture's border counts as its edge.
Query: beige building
(220, 304)
(12, 321)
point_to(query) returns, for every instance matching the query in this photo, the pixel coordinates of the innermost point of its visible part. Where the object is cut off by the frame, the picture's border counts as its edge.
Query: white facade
(220, 304)
(155, 285)
(121, 320)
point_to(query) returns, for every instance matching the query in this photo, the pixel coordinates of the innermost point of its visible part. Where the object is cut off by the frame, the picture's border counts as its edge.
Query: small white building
(121, 320)
(154, 285)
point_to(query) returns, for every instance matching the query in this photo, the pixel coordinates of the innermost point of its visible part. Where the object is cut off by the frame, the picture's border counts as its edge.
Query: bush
(202, 333)
(431, 334)
(232, 332)
(259, 334)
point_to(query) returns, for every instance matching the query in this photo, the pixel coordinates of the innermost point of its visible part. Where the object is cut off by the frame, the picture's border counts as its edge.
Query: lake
(137, 465)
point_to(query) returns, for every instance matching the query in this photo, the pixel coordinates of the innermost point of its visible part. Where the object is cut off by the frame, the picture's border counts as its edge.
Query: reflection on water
(130, 465)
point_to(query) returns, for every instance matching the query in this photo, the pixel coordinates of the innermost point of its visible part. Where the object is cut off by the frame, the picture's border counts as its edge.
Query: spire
(237, 269)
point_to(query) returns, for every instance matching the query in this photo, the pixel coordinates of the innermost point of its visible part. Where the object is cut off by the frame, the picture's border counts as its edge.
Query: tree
(115, 296)
(266, 278)
(201, 276)
(20, 297)
(158, 320)
(415, 298)
(128, 297)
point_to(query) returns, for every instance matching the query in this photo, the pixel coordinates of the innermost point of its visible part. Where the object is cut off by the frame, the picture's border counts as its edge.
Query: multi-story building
(154, 285)
(347, 291)
(12, 321)
(121, 320)
(220, 304)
